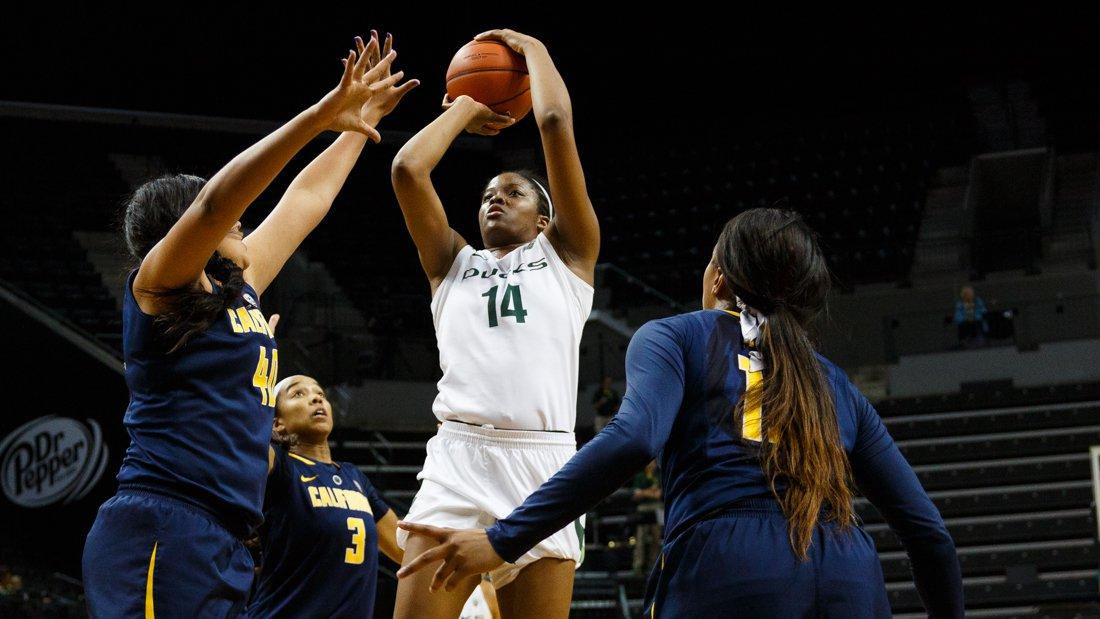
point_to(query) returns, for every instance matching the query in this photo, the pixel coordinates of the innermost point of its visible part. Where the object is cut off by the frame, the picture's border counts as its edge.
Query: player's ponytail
(150, 213)
(772, 262)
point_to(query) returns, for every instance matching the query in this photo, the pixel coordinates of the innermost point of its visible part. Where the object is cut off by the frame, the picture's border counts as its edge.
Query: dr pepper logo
(51, 460)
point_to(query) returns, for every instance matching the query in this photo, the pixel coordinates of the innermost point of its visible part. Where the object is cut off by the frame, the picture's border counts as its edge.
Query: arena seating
(46, 202)
(860, 185)
(859, 182)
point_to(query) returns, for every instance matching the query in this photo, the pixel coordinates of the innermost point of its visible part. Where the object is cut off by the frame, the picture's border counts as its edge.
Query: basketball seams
(492, 74)
(512, 98)
(484, 70)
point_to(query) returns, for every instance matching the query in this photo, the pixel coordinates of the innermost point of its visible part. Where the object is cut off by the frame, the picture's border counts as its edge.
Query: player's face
(509, 212)
(303, 409)
(233, 247)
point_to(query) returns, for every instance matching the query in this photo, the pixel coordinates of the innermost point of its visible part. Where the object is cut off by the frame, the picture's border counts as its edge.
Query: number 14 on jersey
(511, 305)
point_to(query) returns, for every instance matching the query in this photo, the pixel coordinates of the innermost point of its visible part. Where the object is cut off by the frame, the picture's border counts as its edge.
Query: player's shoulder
(846, 394)
(838, 379)
(683, 332)
(832, 370)
(352, 471)
(359, 479)
(685, 326)
(662, 329)
(292, 460)
(687, 321)
(282, 464)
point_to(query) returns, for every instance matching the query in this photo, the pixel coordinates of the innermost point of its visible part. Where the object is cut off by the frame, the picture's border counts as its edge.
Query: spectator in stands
(10, 582)
(647, 494)
(970, 318)
(606, 403)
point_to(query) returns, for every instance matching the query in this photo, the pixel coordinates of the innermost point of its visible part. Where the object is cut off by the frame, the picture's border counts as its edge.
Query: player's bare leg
(543, 589)
(415, 601)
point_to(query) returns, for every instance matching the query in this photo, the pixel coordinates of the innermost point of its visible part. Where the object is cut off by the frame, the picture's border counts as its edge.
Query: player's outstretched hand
(464, 552)
(387, 91)
(341, 109)
(483, 121)
(519, 42)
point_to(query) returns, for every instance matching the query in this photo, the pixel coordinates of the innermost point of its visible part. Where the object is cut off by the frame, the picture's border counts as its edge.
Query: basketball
(491, 73)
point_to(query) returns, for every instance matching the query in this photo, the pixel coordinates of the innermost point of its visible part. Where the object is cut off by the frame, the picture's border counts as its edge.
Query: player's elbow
(929, 535)
(554, 118)
(405, 169)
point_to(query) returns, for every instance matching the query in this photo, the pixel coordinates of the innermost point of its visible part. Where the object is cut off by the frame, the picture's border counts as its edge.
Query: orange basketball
(491, 73)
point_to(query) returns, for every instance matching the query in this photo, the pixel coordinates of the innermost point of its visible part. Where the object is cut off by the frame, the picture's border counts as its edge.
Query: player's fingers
(271, 322)
(447, 103)
(442, 574)
(381, 85)
(502, 119)
(360, 45)
(456, 575)
(360, 65)
(348, 67)
(436, 533)
(388, 45)
(382, 67)
(403, 89)
(372, 49)
(496, 34)
(425, 559)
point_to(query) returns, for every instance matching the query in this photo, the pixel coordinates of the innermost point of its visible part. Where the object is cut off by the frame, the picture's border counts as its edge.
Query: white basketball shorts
(474, 475)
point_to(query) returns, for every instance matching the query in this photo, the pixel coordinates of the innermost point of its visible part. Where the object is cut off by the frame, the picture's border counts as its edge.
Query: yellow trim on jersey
(733, 313)
(653, 604)
(751, 428)
(297, 457)
(149, 584)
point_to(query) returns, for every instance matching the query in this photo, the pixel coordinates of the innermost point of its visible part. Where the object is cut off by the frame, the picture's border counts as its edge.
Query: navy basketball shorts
(149, 555)
(740, 563)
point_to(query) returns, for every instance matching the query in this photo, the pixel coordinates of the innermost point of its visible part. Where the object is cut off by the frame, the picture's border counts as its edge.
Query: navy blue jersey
(685, 374)
(200, 417)
(319, 542)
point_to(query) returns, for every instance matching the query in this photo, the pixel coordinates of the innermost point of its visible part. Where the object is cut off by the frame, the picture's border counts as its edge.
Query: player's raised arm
(179, 258)
(574, 229)
(425, 218)
(310, 195)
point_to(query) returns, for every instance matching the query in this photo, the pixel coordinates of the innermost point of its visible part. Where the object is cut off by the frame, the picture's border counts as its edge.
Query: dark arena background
(938, 153)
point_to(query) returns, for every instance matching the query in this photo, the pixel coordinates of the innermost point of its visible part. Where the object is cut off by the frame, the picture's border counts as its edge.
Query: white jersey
(509, 334)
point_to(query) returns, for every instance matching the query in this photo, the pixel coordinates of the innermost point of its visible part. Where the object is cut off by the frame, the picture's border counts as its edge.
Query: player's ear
(541, 222)
(718, 285)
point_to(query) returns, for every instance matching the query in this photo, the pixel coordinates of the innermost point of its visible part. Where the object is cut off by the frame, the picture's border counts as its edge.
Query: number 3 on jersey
(510, 305)
(267, 374)
(357, 552)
